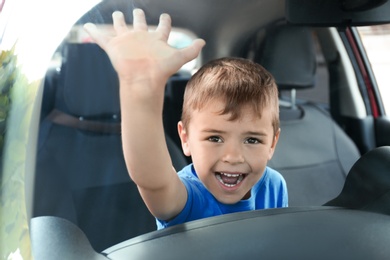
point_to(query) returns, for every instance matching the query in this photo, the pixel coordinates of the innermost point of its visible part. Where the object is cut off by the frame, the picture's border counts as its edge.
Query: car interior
(288, 53)
(333, 151)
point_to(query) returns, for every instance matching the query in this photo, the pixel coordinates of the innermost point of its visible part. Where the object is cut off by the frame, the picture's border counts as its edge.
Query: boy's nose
(233, 154)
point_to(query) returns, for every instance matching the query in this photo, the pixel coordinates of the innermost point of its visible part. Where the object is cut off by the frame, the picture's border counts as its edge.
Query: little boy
(230, 126)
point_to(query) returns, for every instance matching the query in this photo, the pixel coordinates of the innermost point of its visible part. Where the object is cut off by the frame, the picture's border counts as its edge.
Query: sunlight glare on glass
(38, 27)
(376, 41)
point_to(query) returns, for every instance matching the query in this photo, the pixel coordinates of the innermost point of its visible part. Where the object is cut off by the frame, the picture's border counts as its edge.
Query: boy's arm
(144, 62)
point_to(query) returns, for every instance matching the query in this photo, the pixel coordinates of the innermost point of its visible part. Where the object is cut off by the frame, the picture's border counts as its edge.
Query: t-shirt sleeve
(200, 204)
(279, 188)
(183, 215)
(283, 193)
(272, 191)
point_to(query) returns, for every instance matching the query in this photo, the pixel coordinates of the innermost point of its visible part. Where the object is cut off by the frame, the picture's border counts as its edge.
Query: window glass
(80, 173)
(178, 38)
(376, 41)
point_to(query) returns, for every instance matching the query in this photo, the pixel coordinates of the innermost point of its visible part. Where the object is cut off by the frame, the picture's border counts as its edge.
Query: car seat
(368, 183)
(80, 173)
(313, 153)
(173, 105)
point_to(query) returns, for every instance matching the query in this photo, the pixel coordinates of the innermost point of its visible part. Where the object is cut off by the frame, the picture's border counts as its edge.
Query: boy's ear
(184, 138)
(273, 146)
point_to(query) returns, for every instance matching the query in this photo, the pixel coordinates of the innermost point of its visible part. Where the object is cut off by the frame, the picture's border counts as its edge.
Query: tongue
(229, 180)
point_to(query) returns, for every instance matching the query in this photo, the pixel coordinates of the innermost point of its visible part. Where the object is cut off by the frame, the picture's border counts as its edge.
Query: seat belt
(58, 117)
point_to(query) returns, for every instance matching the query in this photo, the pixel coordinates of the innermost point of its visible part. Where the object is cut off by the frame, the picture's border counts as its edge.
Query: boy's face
(229, 156)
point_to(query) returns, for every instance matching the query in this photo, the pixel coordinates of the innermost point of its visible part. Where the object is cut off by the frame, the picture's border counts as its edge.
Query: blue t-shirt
(269, 192)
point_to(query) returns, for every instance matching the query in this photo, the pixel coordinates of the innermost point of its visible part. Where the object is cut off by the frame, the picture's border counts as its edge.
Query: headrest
(89, 83)
(288, 54)
(367, 186)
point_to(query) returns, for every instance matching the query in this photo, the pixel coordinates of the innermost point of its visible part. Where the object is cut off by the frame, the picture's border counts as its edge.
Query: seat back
(313, 153)
(367, 186)
(173, 104)
(81, 174)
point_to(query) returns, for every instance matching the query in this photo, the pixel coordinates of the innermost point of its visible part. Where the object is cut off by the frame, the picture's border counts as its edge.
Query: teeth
(231, 175)
(239, 176)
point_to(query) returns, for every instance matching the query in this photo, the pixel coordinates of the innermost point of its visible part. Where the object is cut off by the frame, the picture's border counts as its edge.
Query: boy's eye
(252, 140)
(215, 139)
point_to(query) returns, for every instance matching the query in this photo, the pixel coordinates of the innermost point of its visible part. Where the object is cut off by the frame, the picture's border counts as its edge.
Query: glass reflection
(29, 36)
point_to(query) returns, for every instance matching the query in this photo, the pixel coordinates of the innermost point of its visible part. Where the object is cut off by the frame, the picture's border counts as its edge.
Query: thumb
(192, 51)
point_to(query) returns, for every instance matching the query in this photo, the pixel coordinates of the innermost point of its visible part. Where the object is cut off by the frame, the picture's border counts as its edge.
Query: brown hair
(238, 83)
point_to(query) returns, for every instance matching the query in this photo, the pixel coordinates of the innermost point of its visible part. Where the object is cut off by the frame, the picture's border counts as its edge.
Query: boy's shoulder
(189, 177)
(275, 177)
(271, 190)
(188, 172)
(195, 187)
(272, 174)
(271, 179)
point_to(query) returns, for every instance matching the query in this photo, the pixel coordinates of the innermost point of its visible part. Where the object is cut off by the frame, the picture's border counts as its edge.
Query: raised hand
(142, 56)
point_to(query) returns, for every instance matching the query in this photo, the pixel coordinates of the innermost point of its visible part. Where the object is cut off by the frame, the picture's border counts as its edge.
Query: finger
(164, 26)
(97, 36)
(192, 51)
(119, 22)
(139, 21)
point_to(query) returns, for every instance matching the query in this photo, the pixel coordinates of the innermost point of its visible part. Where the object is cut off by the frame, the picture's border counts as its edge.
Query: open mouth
(230, 179)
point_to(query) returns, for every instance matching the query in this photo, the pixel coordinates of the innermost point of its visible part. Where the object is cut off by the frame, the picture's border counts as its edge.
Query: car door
(369, 64)
(375, 41)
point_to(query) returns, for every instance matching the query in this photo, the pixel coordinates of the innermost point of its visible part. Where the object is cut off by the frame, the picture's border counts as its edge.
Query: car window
(179, 38)
(19, 153)
(43, 84)
(376, 41)
(21, 74)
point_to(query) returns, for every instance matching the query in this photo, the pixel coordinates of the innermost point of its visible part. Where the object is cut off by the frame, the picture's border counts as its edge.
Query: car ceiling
(226, 25)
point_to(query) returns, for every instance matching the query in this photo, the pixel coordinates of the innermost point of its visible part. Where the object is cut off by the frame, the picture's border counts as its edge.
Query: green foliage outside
(17, 97)
(8, 76)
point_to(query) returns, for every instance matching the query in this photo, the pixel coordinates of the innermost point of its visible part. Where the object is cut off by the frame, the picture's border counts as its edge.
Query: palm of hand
(141, 53)
(138, 54)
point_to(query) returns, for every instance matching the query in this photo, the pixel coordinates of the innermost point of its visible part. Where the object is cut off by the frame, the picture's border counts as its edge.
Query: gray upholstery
(368, 183)
(289, 46)
(174, 93)
(81, 175)
(313, 154)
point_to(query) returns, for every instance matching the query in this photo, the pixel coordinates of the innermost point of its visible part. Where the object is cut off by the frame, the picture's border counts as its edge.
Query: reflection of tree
(15, 120)
(8, 75)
